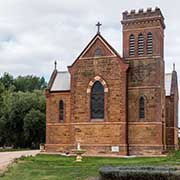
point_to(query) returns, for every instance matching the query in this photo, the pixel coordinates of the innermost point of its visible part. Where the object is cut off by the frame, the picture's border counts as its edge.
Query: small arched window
(140, 44)
(149, 43)
(141, 108)
(131, 45)
(97, 101)
(61, 110)
(98, 52)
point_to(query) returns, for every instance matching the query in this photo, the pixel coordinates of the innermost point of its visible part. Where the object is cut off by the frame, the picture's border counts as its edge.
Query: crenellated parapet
(143, 15)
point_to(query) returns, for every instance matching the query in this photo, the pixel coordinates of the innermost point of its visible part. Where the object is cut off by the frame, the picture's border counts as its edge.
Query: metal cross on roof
(98, 26)
(55, 65)
(174, 68)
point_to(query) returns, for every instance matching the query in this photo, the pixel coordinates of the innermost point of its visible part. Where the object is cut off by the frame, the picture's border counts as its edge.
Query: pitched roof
(61, 82)
(168, 82)
(51, 81)
(101, 38)
(174, 84)
(171, 83)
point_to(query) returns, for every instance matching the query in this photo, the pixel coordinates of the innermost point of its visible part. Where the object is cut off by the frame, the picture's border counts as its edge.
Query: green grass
(55, 167)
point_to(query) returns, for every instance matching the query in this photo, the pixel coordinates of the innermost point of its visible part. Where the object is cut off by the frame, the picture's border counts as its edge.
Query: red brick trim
(101, 80)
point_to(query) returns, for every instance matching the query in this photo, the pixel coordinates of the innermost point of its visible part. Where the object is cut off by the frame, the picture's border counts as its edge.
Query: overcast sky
(34, 33)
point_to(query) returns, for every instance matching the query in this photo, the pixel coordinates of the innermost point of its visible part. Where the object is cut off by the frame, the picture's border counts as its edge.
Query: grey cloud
(35, 33)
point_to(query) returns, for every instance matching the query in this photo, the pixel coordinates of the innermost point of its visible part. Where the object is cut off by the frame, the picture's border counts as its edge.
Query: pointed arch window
(131, 45)
(97, 101)
(149, 43)
(140, 44)
(61, 110)
(141, 108)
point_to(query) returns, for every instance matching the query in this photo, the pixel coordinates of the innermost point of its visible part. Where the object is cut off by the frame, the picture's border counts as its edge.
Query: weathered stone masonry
(125, 129)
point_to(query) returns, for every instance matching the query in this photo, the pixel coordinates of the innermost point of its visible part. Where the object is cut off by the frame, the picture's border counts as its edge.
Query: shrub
(139, 173)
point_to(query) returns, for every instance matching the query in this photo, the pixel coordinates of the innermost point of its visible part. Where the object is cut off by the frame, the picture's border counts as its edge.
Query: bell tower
(143, 50)
(143, 33)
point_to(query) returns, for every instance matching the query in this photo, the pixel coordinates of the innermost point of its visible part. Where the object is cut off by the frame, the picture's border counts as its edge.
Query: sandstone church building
(113, 104)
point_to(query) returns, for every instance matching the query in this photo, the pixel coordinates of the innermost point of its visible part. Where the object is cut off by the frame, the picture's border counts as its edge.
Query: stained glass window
(141, 107)
(97, 101)
(61, 110)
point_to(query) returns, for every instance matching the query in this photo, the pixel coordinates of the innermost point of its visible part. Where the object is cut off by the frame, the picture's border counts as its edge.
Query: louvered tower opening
(149, 44)
(140, 44)
(131, 45)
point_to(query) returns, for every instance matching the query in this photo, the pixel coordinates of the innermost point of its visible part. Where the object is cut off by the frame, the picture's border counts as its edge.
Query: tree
(5, 97)
(22, 111)
(2, 89)
(16, 107)
(7, 80)
(34, 128)
(3, 139)
(29, 83)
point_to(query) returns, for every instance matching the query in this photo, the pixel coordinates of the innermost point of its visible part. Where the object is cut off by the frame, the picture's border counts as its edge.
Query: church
(114, 104)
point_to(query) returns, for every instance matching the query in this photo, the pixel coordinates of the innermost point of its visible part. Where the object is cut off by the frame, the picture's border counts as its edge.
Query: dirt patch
(6, 158)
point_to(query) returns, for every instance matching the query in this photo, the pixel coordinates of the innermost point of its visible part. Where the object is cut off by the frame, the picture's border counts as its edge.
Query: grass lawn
(55, 167)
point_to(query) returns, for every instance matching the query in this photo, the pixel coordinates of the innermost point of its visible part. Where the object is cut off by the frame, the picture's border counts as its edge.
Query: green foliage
(2, 130)
(34, 127)
(2, 88)
(29, 83)
(58, 167)
(22, 111)
(138, 173)
(7, 80)
(21, 107)
(23, 83)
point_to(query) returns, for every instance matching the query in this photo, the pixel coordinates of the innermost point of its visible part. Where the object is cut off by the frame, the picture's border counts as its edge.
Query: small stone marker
(115, 148)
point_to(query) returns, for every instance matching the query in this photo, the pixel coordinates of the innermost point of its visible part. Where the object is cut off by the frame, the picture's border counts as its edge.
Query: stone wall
(125, 80)
(99, 135)
(145, 79)
(171, 122)
(58, 133)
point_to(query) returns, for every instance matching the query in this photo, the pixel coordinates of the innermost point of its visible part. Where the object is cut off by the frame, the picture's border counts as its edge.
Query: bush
(139, 173)
(22, 121)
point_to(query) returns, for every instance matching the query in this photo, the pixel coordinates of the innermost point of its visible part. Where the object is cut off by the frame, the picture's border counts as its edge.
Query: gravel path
(7, 158)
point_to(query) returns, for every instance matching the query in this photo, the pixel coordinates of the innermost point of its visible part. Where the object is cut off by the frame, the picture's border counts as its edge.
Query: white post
(78, 146)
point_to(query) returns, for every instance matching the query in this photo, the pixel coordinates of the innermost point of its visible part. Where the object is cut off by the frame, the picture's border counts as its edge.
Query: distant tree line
(22, 111)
